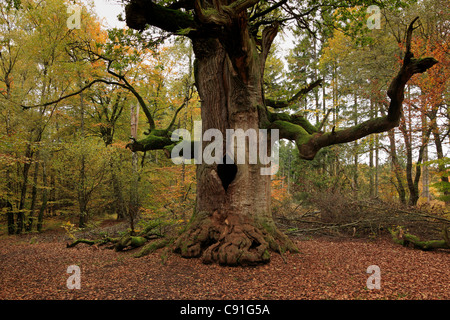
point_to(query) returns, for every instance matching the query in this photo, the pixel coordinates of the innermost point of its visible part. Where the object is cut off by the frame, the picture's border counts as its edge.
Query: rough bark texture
(233, 222)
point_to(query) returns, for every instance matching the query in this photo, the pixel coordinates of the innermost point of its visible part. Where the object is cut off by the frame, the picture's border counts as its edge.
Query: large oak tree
(232, 223)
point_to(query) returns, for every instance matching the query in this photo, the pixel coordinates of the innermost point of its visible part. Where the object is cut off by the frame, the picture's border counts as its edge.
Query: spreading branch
(140, 12)
(309, 144)
(63, 97)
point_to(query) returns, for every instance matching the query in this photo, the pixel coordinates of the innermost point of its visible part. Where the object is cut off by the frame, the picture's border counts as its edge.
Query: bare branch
(324, 120)
(61, 98)
(286, 103)
(140, 13)
(268, 10)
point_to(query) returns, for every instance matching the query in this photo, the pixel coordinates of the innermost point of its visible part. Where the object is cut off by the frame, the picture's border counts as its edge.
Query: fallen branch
(128, 241)
(405, 239)
(332, 226)
(92, 242)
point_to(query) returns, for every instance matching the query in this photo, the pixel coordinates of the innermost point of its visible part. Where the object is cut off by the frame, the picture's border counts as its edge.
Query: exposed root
(232, 244)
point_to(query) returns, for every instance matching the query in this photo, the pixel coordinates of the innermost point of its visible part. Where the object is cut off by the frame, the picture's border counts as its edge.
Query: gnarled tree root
(232, 244)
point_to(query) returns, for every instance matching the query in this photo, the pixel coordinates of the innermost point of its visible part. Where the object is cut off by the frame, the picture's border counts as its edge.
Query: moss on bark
(405, 239)
(152, 247)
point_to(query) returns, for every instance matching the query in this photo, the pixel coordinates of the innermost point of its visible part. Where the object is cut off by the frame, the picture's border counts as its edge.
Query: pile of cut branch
(334, 214)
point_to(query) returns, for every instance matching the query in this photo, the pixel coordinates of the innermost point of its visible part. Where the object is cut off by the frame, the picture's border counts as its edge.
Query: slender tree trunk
(133, 210)
(23, 192)
(377, 156)
(52, 194)
(29, 225)
(355, 115)
(425, 176)
(82, 200)
(396, 167)
(8, 204)
(316, 77)
(413, 182)
(9, 183)
(119, 201)
(40, 218)
(441, 166)
(413, 191)
(82, 194)
(371, 165)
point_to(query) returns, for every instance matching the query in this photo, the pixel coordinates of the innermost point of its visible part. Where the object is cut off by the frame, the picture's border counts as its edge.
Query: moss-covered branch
(101, 241)
(295, 119)
(152, 247)
(131, 241)
(309, 147)
(140, 13)
(405, 239)
(155, 140)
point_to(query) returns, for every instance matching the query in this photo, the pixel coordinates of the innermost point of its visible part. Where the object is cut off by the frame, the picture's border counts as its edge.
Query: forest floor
(35, 267)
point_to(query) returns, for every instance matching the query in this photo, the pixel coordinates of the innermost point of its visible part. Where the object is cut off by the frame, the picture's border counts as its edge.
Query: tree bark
(233, 222)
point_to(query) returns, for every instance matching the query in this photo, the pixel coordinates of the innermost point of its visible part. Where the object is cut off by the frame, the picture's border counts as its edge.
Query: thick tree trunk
(232, 223)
